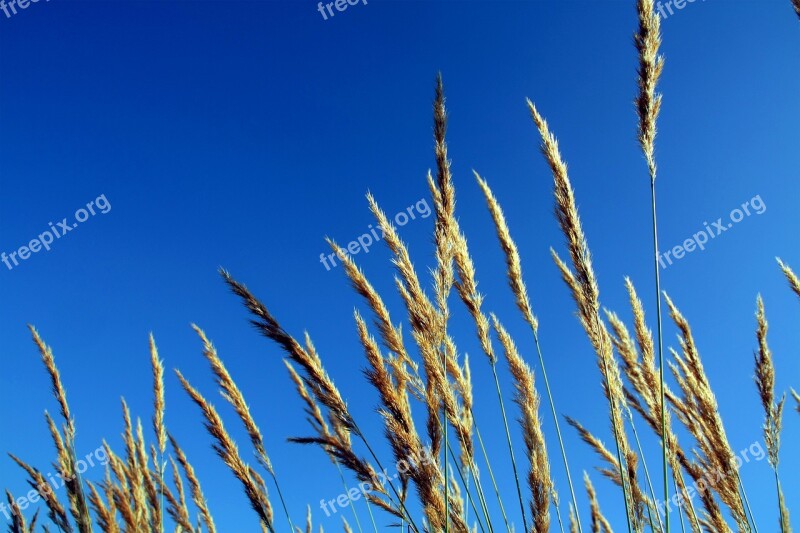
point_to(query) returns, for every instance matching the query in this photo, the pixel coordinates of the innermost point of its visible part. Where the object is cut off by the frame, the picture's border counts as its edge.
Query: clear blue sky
(239, 134)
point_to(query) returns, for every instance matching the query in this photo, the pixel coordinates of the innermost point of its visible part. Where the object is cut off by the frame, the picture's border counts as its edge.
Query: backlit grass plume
(416, 368)
(765, 383)
(584, 288)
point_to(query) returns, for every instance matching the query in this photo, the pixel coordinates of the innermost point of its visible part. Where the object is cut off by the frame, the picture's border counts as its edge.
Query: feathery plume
(599, 522)
(648, 105)
(194, 484)
(37, 481)
(791, 277)
(586, 293)
(648, 102)
(518, 288)
(79, 505)
(539, 480)
(700, 415)
(320, 383)
(18, 523)
(325, 392)
(513, 262)
(159, 403)
(227, 451)
(765, 383)
(55, 379)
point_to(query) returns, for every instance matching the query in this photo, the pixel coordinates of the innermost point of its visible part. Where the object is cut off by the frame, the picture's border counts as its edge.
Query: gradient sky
(239, 134)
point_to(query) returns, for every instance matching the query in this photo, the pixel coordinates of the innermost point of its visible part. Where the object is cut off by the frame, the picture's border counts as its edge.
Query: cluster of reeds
(441, 487)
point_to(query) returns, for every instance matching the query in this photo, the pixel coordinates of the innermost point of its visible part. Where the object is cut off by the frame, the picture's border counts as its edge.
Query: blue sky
(240, 134)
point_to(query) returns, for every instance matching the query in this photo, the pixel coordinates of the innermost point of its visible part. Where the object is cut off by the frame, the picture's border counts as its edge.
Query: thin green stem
(478, 486)
(491, 476)
(784, 519)
(646, 473)
(446, 446)
(347, 491)
(693, 513)
(665, 463)
(481, 495)
(747, 503)
(371, 516)
(680, 508)
(466, 487)
(558, 515)
(558, 428)
(402, 503)
(280, 496)
(162, 467)
(510, 446)
(469, 496)
(621, 465)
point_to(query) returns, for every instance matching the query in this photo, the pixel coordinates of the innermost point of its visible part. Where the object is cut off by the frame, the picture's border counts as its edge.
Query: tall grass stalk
(680, 510)
(517, 284)
(466, 488)
(401, 501)
(347, 491)
(491, 476)
(561, 446)
(646, 472)
(585, 291)
(444, 453)
(746, 502)
(648, 105)
(510, 446)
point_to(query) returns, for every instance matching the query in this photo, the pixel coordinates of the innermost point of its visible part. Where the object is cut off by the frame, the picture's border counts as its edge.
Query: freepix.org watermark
(374, 235)
(712, 478)
(702, 237)
(43, 241)
(364, 488)
(340, 6)
(54, 482)
(10, 8)
(666, 7)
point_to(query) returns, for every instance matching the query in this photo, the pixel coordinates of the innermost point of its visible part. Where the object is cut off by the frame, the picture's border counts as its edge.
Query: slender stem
(372, 517)
(347, 490)
(481, 497)
(677, 472)
(478, 485)
(747, 503)
(162, 467)
(646, 473)
(780, 500)
(621, 465)
(665, 464)
(680, 507)
(469, 496)
(510, 447)
(558, 429)
(466, 487)
(358, 432)
(280, 496)
(558, 515)
(446, 446)
(491, 476)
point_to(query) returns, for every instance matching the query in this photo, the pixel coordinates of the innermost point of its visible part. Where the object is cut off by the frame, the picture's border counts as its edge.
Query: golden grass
(431, 375)
(586, 293)
(539, 480)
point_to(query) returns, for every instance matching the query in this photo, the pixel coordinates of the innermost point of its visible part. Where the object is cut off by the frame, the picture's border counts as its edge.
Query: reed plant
(150, 485)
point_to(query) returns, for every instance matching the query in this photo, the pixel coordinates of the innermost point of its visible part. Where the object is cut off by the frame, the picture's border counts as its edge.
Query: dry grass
(442, 488)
